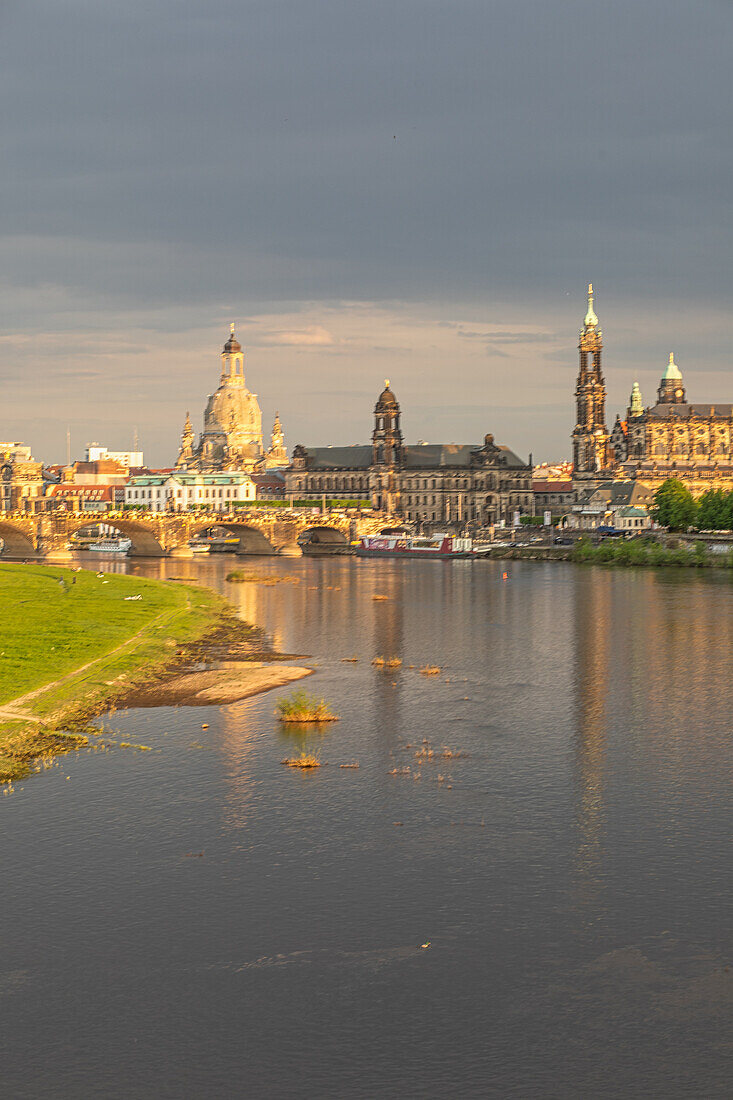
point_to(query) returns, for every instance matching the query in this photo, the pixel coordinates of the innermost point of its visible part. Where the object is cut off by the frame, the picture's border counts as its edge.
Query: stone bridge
(160, 534)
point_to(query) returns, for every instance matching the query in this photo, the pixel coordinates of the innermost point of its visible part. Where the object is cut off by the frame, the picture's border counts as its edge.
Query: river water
(199, 921)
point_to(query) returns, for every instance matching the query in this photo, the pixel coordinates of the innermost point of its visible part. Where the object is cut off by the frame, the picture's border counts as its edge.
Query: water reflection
(234, 741)
(592, 628)
(576, 864)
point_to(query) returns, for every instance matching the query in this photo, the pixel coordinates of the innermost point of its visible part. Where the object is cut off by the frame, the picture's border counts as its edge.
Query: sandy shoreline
(230, 682)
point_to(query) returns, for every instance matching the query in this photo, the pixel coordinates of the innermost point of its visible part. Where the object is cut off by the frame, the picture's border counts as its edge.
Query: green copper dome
(672, 372)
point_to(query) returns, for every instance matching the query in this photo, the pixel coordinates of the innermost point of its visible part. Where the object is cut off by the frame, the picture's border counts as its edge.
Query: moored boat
(409, 546)
(110, 546)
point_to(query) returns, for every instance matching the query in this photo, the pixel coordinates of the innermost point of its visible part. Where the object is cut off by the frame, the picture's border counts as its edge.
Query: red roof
(552, 486)
(88, 492)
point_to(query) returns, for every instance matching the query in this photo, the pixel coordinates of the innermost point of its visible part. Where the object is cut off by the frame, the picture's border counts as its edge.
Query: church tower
(387, 447)
(232, 361)
(590, 437)
(671, 390)
(277, 454)
(185, 455)
(636, 404)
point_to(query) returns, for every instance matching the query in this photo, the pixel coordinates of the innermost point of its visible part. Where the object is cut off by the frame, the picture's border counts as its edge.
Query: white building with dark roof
(477, 483)
(181, 491)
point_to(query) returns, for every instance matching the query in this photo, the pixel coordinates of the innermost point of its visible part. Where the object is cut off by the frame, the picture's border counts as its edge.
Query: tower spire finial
(231, 328)
(590, 318)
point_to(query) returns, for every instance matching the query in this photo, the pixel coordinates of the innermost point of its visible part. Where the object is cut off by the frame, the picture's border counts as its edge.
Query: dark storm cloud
(418, 148)
(166, 163)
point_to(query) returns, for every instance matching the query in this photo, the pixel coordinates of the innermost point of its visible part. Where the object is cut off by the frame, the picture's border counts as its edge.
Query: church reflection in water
(653, 697)
(591, 680)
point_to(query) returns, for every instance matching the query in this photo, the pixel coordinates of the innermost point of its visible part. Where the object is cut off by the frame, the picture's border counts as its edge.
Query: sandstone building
(672, 438)
(180, 491)
(232, 435)
(21, 478)
(480, 484)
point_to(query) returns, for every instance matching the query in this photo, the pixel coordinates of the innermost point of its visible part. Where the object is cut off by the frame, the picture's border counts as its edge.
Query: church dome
(234, 412)
(672, 371)
(232, 344)
(387, 399)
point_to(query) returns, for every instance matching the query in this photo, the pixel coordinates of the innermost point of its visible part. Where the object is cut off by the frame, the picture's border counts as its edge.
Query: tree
(713, 511)
(674, 506)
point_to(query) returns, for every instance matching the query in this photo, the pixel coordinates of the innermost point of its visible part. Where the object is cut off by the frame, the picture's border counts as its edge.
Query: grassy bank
(650, 553)
(71, 642)
(645, 552)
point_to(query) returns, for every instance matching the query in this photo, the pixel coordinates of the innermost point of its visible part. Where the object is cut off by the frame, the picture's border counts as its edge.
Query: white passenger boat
(111, 546)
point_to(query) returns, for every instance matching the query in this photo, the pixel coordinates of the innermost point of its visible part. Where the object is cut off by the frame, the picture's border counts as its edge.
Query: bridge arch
(251, 539)
(144, 542)
(17, 542)
(322, 539)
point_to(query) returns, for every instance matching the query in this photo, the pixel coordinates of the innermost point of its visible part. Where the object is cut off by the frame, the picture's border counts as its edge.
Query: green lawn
(54, 620)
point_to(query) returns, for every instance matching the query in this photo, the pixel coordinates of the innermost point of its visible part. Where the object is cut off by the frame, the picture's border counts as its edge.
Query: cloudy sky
(408, 189)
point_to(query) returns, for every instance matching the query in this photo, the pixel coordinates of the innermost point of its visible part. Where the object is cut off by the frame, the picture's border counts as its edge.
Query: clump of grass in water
(387, 662)
(430, 670)
(378, 597)
(302, 707)
(305, 760)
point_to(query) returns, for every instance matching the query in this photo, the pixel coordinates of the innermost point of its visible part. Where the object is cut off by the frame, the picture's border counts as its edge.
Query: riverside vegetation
(648, 552)
(72, 642)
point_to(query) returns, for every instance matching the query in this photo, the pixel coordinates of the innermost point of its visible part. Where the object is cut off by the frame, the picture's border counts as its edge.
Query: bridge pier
(56, 555)
(181, 552)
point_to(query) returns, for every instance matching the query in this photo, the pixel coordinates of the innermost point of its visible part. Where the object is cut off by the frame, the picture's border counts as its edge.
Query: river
(200, 921)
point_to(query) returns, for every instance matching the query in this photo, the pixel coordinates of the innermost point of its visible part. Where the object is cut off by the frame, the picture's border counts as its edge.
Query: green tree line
(676, 508)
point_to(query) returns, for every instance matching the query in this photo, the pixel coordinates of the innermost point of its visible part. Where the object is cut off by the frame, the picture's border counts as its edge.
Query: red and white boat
(409, 546)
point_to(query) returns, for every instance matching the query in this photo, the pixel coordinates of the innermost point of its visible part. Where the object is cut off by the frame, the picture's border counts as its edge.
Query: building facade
(671, 438)
(604, 503)
(460, 484)
(95, 453)
(180, 491)
(21, 478)
(232, 435)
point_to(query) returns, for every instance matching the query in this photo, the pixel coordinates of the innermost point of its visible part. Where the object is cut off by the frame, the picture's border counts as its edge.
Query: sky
(401, 189)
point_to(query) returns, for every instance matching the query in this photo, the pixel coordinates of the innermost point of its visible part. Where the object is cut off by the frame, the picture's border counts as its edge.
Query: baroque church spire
(387, 445)
(591, 321)
(636, 405)
(185, 454)
(590, 435)
(671, 389)
(277, 454)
